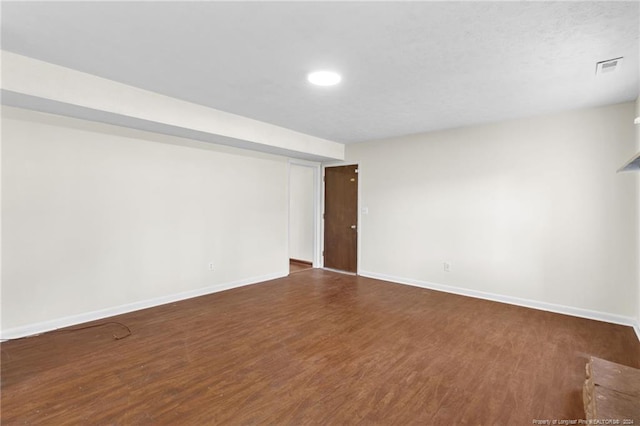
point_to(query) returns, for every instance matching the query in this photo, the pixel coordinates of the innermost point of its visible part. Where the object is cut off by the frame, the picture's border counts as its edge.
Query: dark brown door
(341, 218)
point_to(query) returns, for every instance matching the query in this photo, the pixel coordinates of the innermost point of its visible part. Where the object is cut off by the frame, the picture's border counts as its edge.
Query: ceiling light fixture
(324, 78)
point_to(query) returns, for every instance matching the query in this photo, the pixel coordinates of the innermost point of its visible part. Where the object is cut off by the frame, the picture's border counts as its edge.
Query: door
(341, 218)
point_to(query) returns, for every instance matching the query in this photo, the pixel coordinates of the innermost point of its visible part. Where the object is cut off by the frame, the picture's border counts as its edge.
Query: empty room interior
(320, 213)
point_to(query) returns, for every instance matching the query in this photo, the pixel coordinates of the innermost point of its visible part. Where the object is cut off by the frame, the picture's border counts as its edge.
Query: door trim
(358, 201)
(318, 207)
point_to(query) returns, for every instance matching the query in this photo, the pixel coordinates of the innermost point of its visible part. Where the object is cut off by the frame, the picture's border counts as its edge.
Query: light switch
(365, 210)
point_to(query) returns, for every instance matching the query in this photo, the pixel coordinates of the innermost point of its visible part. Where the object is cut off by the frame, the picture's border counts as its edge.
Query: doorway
(304, 215)
(341, 218)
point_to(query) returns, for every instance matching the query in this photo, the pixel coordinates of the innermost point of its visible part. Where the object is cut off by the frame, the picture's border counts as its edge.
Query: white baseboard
(41, 327)
(528, 303)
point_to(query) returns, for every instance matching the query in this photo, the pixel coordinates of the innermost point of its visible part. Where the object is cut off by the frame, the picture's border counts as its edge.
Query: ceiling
(407, 67)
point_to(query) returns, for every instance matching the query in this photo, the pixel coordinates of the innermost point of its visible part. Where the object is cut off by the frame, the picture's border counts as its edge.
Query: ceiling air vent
(631, 165)
(608, 66)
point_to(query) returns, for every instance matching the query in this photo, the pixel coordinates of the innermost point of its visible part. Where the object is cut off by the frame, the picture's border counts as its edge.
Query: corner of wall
(637, 126)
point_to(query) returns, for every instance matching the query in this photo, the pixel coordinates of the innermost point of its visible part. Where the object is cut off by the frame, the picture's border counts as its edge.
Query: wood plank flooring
(297, 266)
(316, 347)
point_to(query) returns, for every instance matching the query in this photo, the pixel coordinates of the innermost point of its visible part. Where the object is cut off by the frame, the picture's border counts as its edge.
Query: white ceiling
(407, 67)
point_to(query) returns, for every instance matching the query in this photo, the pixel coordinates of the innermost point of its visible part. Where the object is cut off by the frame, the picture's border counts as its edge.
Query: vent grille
(608, 66)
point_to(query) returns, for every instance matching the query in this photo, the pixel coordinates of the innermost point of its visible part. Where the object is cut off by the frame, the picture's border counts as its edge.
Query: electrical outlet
(211, 266)
(447, 266)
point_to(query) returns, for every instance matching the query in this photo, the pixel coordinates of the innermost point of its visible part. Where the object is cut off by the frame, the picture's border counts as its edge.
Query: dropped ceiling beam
(41, 86)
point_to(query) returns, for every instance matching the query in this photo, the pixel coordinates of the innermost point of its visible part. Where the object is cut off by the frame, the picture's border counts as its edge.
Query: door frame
(358, 209)
(317, 261)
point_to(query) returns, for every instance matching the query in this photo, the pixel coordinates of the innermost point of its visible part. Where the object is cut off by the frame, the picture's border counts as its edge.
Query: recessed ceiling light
(324, 78)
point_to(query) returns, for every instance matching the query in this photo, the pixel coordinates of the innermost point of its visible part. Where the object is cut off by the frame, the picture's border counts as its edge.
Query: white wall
(301, 212)
(530, 209)
(637, 126)
(96, 217)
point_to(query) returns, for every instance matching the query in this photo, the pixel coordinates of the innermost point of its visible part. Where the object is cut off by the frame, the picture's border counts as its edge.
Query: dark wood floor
(297, 266)
(314, 348)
